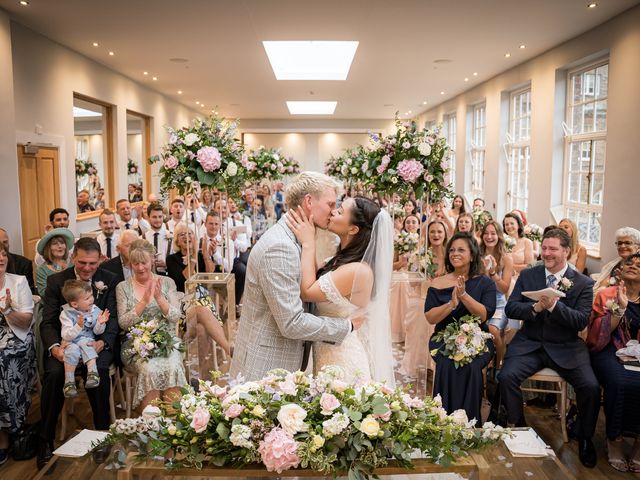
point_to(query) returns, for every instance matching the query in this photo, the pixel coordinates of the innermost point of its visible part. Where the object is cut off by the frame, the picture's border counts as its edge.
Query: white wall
(620, 39)
(45, 77)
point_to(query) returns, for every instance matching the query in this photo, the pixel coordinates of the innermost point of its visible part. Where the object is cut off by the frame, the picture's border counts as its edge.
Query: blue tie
(551, 281)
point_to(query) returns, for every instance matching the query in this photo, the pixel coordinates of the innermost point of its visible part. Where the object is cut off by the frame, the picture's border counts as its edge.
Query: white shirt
(198, 216)
(163, 248)
(21, 300)
(133, 224)
(144, 225)
(217, 256)
(558, 276)
(102, 240)
(243, 240)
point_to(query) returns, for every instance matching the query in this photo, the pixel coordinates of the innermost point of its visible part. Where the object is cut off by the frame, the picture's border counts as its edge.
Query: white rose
(318, 441)
(171, 430)
(370, 427)
(188, 180)
(354, 170)
(291, 418)
(258, 411)
(151, 411)
(232, 169)
(424, 149)
(459, 417)
(190, 139)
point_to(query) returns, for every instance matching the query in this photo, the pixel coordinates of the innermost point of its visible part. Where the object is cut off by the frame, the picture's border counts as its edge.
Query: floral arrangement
(350, 167)
(463, 340)
(268, 163)
(132, 167)
(612, 306)
(408, 160)
(290, 420)
(396, 211)
(206, 154)
(423, 262)
(151, 338)
(405, 242)
(533, 232)
(85, 167)
(564, 285)
(509, 243)
(481, 217)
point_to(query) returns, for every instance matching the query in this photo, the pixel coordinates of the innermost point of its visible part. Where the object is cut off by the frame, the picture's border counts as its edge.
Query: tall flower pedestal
(201, 351)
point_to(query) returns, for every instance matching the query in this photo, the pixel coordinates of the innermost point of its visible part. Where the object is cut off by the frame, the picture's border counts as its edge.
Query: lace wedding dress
(350, 354)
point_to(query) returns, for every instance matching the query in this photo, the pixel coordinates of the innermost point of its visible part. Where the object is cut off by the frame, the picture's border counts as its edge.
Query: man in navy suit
(549, 337)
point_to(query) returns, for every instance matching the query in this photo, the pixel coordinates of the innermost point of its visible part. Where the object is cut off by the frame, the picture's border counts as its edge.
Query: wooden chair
(547, 375)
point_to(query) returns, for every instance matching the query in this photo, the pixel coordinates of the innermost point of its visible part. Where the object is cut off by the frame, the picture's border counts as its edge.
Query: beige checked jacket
(273, 324)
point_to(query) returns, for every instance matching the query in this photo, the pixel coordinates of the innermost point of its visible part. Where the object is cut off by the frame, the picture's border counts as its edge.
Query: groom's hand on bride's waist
(357, 319)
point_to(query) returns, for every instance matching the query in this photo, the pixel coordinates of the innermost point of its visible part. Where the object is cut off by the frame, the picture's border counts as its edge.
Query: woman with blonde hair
(578, 257)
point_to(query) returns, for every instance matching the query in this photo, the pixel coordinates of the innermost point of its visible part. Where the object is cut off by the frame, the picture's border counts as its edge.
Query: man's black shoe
(587, 453)
(44, 453)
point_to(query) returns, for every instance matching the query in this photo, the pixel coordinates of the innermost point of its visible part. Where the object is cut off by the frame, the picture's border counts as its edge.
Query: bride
(357, 278)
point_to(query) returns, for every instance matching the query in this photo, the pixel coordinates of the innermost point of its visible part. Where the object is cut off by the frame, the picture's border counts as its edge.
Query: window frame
(478, 151)
(447, 120)
(516, 148)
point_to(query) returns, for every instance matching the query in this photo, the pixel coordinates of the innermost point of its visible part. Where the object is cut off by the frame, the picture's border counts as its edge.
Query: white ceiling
(393, 68)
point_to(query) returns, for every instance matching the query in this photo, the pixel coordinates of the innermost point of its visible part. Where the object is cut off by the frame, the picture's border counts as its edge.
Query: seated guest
(237, 218)
(211, 242)
(58, 218)
(237, 245)
(522, 253)
(158, 236)
(278, 199)
(465, 223)
(17, 352)
(478, 204)
(628, 243)
(205, 312)
(125, 219)
(549, 337)
(578, 256)
(85, 259)
(176, 212)
(108, 237)
(18, 265)
(462, 291)
(120, 265)
(259, 222)
(54, 248)
(82, 201)
(609, 330)
(193, 213)
(146, 296)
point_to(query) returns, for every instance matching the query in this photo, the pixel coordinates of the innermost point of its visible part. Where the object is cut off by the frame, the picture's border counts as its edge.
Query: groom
(273, 325)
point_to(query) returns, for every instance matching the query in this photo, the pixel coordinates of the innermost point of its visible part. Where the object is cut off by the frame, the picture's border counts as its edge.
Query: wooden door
(39, 193)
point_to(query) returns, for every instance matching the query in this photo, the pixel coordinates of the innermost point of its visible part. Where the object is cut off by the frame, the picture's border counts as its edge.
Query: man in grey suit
(274, 326)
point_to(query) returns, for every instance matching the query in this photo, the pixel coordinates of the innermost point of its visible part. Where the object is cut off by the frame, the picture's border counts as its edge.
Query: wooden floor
(544, 420)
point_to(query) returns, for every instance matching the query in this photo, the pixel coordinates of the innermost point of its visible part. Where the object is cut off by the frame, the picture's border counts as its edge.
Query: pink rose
(410, 170)
(234, 410)
(385, 417)
(209, 158)
(278, 451)
(200, 419)
(386, 159)
(171, 162)
(380, 169)
(328, 403)
(428, 178)
(461, 340)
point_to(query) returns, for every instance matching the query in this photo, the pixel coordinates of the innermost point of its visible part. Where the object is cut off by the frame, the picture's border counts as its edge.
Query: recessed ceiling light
(507, 55)
(441, 93)
(523, 46)
(155, 78)
(179, 92)
(83, 112)
(310, 60)
(202, 104)
(466, 79)
(475, 74)
(24, 3)
(311, 108)
(111, 53)
(197, 102)
(409, 111)
(95, 44)
(424, 103)
(145, 73)
(590, 5)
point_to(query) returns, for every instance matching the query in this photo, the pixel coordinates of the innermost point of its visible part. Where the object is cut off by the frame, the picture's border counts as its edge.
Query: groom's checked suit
(273, 324)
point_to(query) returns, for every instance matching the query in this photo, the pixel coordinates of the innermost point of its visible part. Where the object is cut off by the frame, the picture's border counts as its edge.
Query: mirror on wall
(92, 154)
(136, 156)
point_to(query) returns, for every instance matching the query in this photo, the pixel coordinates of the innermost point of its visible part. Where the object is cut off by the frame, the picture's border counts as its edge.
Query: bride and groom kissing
(349, 293)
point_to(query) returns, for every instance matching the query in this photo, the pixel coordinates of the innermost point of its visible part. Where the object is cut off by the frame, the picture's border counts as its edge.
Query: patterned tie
(108, 239)
(551, 281)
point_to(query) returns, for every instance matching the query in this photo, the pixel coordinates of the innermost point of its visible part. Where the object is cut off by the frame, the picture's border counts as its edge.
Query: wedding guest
(99, 202)
(278, 199)
(146, 296)
(108, 237)
(126, 221)
(398, 223)
(58, 218)
(141, 215)
(457, 208)
(410, 207)
(462, 291)
(158, 237)
(18, 265)
(259, 222)
(85, 259)
(204, 310)
(193, 212)
(17, 352)
(211, 242)
(236, 244)
(82, 202)
(498, 266)
(439, 213)
(176, 212)
(627, 243)
(549, 338)
(236, 218)
(247, 201)
(522, 253)
(578, 256)
(54, 248)
(465, 223)
(120, 266)
(267, 201)
(417, 331)
(206, 199)
(615, 319)
(478, 204)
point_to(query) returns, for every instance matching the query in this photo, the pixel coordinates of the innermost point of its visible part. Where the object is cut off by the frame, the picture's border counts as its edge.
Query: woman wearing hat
(54, 248)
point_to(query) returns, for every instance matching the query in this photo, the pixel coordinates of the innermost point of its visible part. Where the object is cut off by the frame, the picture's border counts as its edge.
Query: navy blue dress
(461, 388)
(621, 386)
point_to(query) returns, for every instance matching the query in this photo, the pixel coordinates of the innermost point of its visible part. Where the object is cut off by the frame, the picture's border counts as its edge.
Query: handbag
(25, 442)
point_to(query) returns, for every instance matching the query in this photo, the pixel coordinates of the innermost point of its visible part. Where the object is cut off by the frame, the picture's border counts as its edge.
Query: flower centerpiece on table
(132, 167)
(463, 340)
(409, 160)
(268, 164)
(206, 152)
(405, 242)
(151, 338)
(290, 420)
(533, 232)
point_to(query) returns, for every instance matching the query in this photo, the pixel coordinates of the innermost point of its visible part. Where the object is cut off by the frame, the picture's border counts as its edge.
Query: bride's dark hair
(362, 215)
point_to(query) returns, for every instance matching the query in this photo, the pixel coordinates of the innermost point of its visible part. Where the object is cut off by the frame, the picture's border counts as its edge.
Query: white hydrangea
(190, 139)
(335, 425)
(240, 435)
(424, 148)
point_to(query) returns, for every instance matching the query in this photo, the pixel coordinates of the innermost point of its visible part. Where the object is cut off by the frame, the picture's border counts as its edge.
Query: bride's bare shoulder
(345, 276)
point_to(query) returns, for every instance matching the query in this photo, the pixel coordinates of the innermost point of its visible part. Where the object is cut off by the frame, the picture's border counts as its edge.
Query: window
(478, 145)
(138, 146)
(430, 124)
(585, 149)
(449, 131)
(518, 149)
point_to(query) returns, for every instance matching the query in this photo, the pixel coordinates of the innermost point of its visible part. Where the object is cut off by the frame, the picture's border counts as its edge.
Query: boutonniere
(612, 306)
(565, 285)
(100, 288)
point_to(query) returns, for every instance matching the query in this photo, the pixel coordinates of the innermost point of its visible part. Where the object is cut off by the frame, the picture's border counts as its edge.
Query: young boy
(81, 321)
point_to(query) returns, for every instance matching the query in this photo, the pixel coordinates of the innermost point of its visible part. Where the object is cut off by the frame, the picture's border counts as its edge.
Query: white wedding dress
(350, 354)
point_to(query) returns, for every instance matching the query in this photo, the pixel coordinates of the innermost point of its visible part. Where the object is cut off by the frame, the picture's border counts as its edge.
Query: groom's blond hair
(312, 183)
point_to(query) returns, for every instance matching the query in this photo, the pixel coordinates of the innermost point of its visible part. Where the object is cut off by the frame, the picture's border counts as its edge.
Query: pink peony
(233, 410)
(428, 178)
(328, 403)
(209, 158)
(278, 451)
(200, 419)
(410, 170)
(171, 162)
(381, 169)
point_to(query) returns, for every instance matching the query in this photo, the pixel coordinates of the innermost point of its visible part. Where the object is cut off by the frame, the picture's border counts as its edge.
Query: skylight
(310, 60)
(311, 108)
(83, 112)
